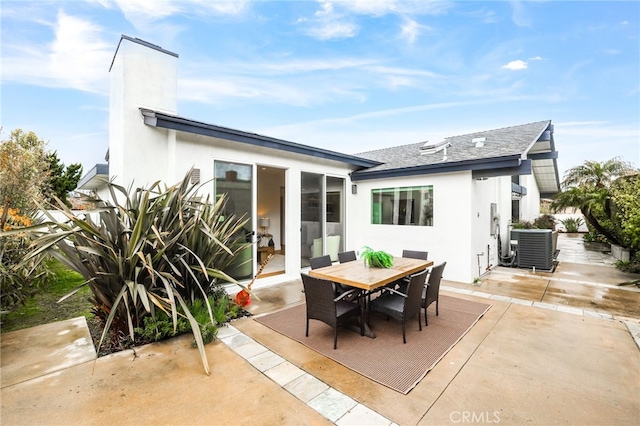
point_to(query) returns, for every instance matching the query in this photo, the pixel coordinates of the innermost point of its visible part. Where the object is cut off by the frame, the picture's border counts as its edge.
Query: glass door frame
(314, 207)
(252, 211)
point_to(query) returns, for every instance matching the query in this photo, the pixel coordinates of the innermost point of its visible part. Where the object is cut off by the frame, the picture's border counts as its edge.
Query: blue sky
(347, 76)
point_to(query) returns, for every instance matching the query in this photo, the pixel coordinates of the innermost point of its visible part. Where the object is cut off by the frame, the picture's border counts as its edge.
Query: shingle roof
(516, 150)
(499, 143)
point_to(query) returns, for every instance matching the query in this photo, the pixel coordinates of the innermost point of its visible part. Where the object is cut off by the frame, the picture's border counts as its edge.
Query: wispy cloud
(70, 60)
(150, 16)
(151, 10)
(516, 65)
(483, 15)
(326, 24)
(333, 29)
(593, 140)
(258, 67)
(294, 91)
(582, 124)
(297, 82)
(335, 20)
(374, 115)
(229, 89)
(344, 133)
(411, 30)
(519, 14)
(404, 71)
(404, 7)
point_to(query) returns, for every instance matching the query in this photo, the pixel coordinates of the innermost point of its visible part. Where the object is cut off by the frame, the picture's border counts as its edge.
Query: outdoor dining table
(357, 274)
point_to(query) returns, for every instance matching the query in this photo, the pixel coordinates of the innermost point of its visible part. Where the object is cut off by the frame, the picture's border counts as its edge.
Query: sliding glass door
(311, 208)
(322, 214)
(236, 181)
(335, 215)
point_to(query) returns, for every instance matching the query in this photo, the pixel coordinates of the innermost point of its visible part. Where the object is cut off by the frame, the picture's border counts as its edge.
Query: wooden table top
(356, 274)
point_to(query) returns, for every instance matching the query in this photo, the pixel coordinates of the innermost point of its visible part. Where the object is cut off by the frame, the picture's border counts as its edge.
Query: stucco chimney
(142, 75)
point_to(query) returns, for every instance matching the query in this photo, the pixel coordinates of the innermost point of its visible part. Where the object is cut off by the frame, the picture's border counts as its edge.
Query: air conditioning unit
(535, 249)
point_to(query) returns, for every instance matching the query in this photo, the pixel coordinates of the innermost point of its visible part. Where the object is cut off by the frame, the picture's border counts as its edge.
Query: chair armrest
(345, 294)
(399, 293)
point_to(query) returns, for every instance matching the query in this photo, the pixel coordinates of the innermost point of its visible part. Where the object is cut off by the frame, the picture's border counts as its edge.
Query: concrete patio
(554, 348)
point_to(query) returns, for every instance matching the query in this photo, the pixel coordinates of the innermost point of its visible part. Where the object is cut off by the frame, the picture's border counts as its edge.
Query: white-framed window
(411, 205)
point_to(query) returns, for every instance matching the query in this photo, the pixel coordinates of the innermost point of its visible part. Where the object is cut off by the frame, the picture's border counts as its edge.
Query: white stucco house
(454, 198)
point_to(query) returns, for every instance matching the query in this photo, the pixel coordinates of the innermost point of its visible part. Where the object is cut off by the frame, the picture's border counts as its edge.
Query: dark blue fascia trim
(478, 164)
(544, 156)
(140, 42)
(523, 169)
(165, 121)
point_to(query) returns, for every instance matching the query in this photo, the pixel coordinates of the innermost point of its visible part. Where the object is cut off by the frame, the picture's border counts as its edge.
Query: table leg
(355, 325)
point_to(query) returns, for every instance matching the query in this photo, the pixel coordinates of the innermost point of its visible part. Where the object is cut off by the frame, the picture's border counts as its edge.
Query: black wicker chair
(431, 291)
(402, 306)
(320, 261)
(401, 285)
(347, 256)
(415, 254)
(323, 305)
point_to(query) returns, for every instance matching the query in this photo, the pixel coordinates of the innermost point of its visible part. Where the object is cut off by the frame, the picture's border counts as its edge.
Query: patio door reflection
(322, 214)
(236, 181)
(311, 215)
(335, 216)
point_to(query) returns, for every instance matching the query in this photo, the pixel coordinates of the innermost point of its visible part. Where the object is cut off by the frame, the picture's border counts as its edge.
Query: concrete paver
(28, 354)
(554, 348)
(544, 367)
(162, 383)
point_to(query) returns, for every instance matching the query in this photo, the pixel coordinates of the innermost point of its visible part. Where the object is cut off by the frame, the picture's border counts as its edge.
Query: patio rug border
(397, 380)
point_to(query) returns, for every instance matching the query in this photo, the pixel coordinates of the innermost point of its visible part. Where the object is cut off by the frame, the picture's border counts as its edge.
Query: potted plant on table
(376, 258)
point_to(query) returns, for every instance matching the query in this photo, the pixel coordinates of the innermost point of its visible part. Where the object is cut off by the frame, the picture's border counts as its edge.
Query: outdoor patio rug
(386, 359)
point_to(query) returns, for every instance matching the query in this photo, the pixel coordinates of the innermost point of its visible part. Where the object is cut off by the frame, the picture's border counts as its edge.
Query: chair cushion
(343, 307)
(390, 304)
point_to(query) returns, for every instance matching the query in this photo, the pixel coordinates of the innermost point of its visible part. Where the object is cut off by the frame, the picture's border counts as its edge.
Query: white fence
(60, 217)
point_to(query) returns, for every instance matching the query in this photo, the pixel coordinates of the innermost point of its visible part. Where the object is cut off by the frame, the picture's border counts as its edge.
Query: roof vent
(432, 148)
(479, 142)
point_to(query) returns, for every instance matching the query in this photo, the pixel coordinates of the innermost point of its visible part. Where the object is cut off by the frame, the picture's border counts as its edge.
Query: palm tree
(593, 173)
(587, 188)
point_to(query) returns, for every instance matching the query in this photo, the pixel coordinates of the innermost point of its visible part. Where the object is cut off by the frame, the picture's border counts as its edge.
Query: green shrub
(523, 224)
(631, 266)
(594, 237)
(572, 224)
(19, 279)
(546, 221)
(162, 327)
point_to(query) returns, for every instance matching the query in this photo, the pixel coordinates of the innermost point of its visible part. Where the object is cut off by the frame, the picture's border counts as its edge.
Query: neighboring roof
(167, 121)
(500, 152)
(95, 178)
